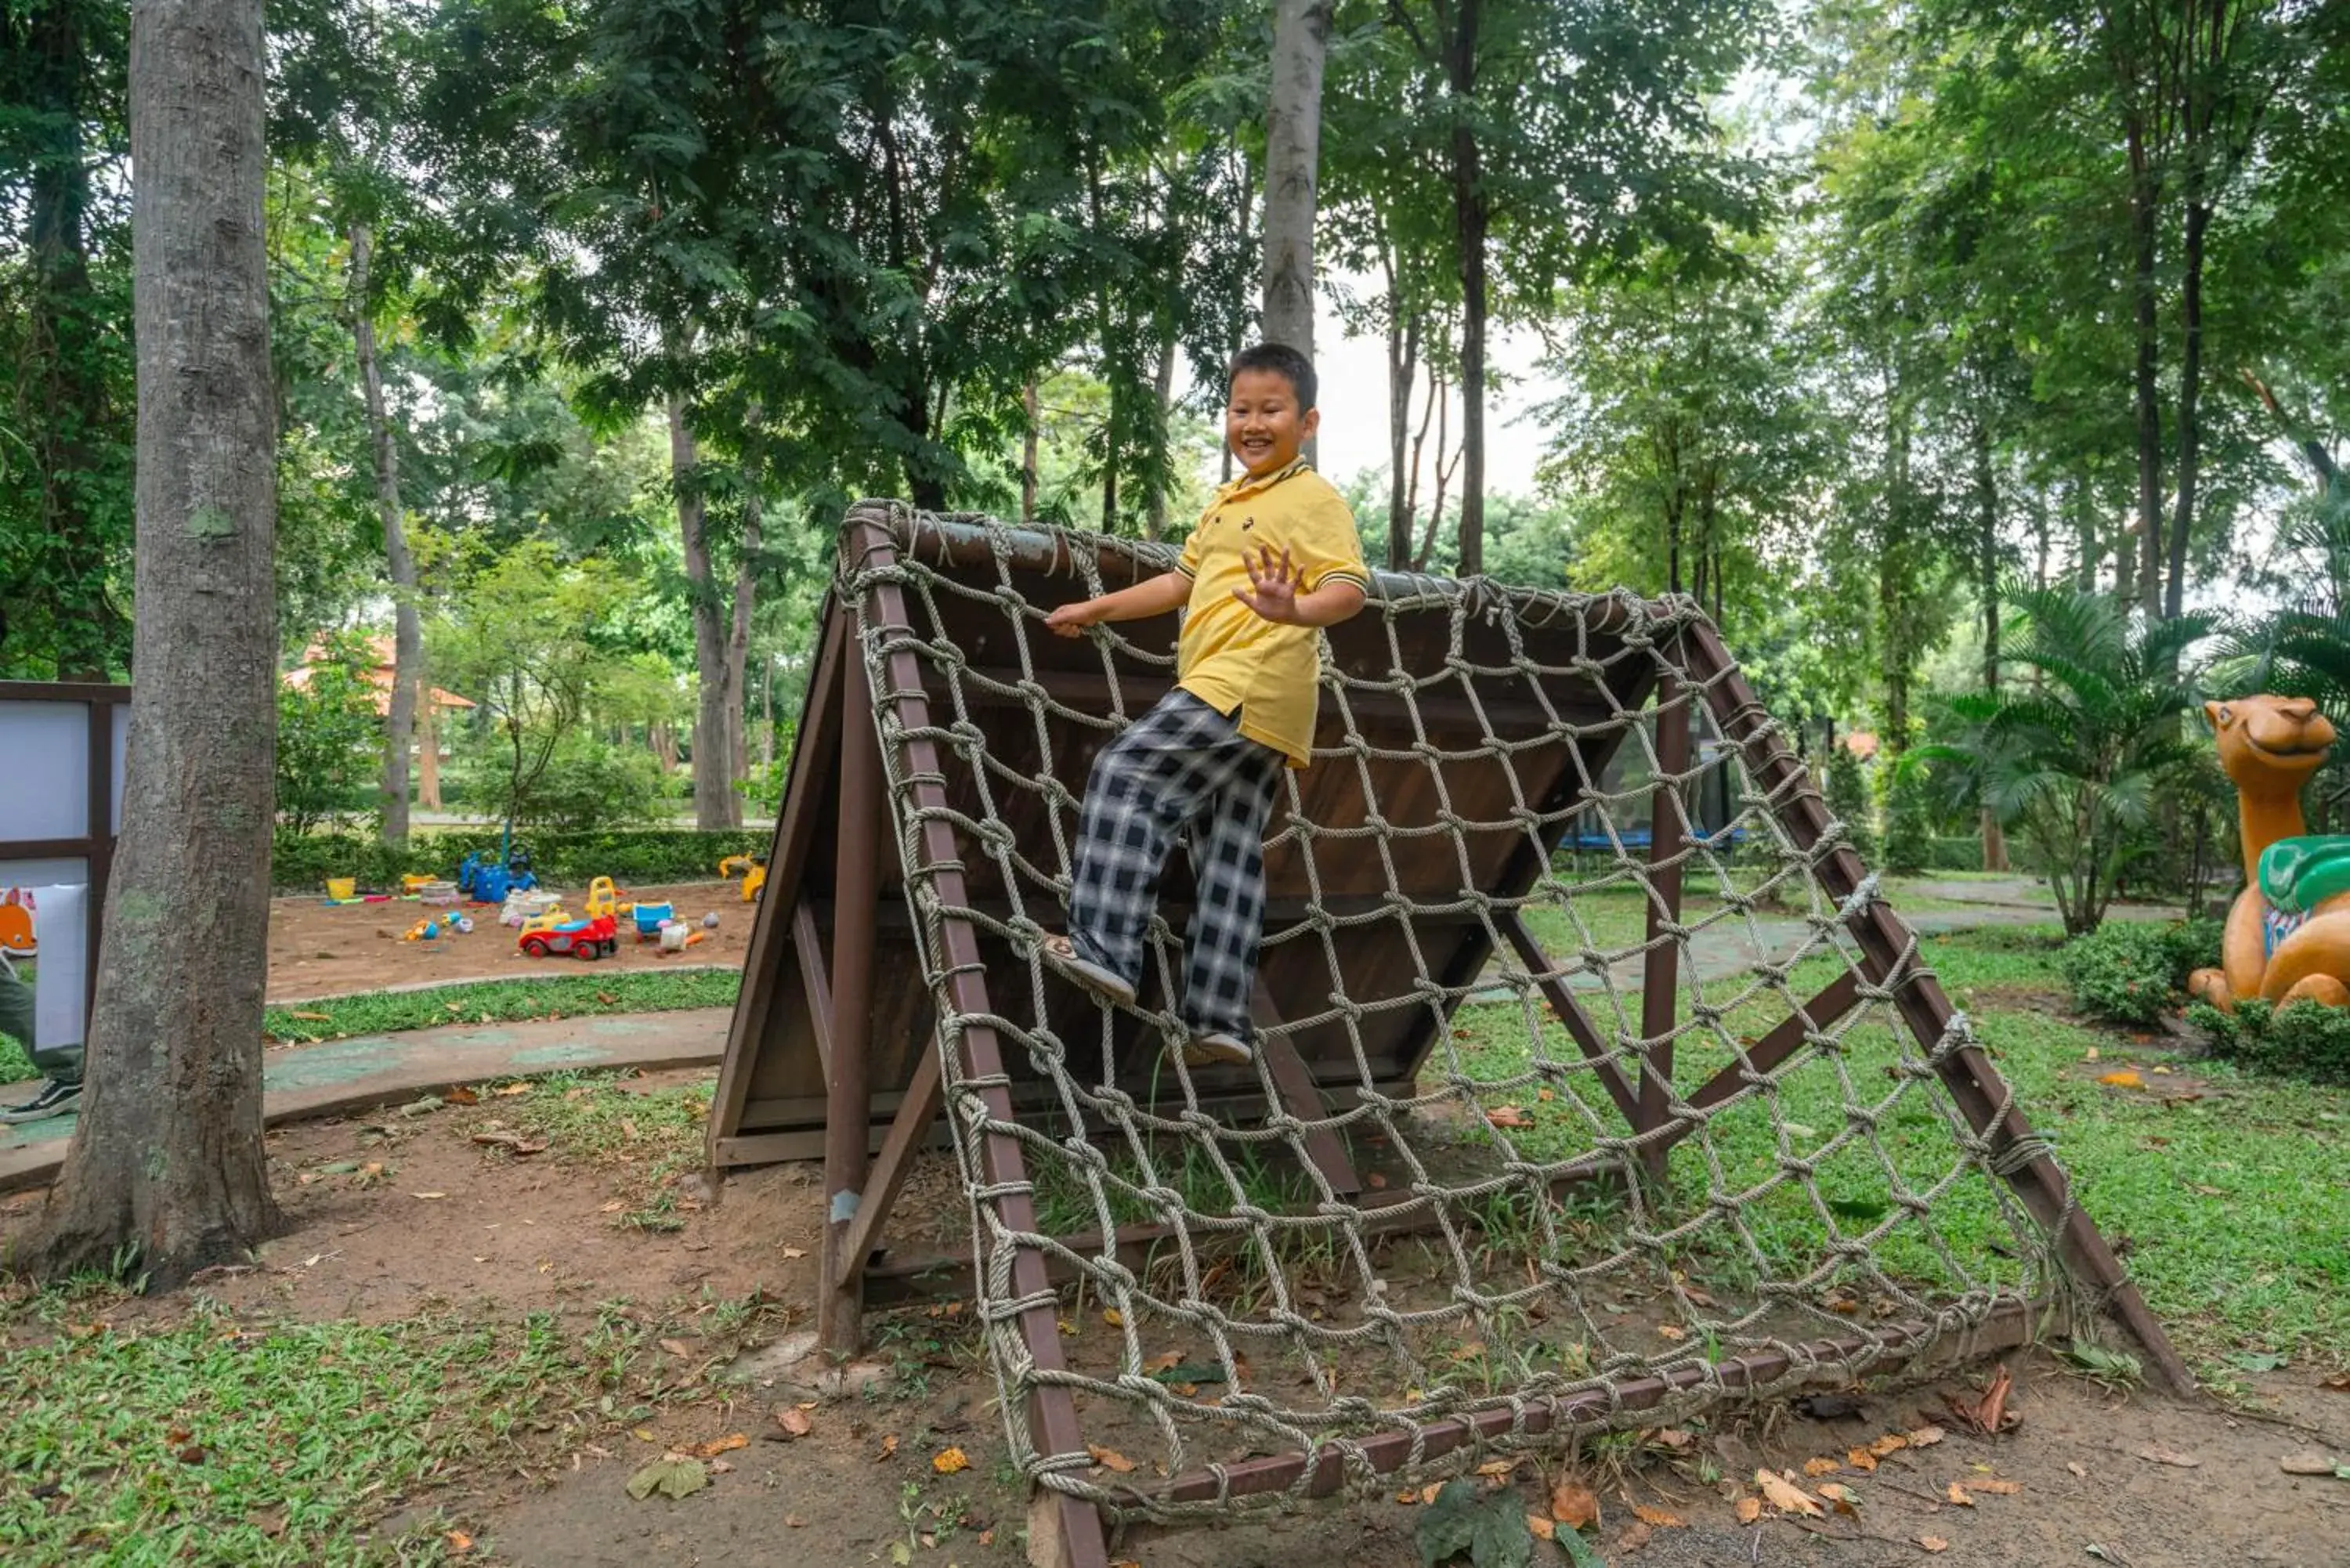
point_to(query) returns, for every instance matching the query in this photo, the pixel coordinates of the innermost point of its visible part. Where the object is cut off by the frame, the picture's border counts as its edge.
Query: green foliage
(330, 736)
(2072, 764)
(302, 862)
(1909, 822)
(587, 785)
(1848, 801)
(2132, 972)
(2304, 1040)
(1487, 1528)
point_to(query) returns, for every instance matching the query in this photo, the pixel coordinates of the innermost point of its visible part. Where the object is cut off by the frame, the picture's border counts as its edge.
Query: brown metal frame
(96, 848)
(844, 726)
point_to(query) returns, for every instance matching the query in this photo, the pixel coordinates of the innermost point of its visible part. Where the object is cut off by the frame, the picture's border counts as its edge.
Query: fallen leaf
(674, 1478)
(461, 1095)
(1658, 1518)
(1543, 1529)
(1495, 1467)
(1785, 1495)
(1574, 1504)
(312, 1017)
(2123, 1079)
(1109, 1459)
(459, 1541)
(1862, 1460)
(1113, 1317)
(2077, 1468)
(1427, 1493)
(2337, 1385)
(1933, 1543)
(1892, 1442)
(1998, 1488)
(1821, 1466)
(717, 1446)
(1924, 1438)
(428, 1195)
(794, 1423)
(900, 1554)
(511, 1090)
(950, 1462)
(1407, 1497)
(1167, 1362)
(889, 1447)
(2308, 1463)
(192, 1455)
(614, 1207)
(1749, 1508)
(1842, 1496)
(795, 1252)
(1509, 1117)
(1672, 1438)
(2169, 1457)
(1987, 1414)
(2090, 1054)
(1672, 1331)
(1957, 1496)
(1635, 1536)
(794, 1521)
(677, 1347)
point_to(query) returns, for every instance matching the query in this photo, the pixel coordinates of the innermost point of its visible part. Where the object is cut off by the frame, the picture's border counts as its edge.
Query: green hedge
(2305, 1040)
(301, 862)
(2134, 971)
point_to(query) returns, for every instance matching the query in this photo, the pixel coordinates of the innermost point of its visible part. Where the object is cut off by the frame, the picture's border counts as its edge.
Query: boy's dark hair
(1283, 361)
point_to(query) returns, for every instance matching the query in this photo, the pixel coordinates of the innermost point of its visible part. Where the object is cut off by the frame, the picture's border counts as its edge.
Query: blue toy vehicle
(488, 880)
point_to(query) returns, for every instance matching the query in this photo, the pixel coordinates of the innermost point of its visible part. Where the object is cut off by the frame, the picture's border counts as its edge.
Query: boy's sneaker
(1218, 1050)
(54, 1100)
(1059, 953)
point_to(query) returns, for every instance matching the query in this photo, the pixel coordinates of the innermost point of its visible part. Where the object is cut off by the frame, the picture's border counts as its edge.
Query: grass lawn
(2233, 1195)
(500, 1001)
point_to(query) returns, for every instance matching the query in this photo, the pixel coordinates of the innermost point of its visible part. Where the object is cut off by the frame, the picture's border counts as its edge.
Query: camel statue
(2288, 933)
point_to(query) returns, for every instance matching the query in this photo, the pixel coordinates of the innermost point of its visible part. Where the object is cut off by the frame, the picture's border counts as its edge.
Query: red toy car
(590, 940)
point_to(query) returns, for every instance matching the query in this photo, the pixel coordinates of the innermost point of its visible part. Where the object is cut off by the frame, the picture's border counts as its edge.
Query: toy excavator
(2288, 933)
(753, 875)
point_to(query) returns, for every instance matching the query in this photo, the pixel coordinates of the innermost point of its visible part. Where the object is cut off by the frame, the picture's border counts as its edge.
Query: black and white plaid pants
(1180, 766)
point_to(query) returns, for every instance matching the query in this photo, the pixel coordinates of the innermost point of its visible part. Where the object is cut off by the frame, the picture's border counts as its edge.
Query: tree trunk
(428, 745)
(68, 403)
(1293, 136)
(738, 655)
(1154, 523)
(2145, 193)
(1994, 841)
(2190, 388)
(712, 746)
(1028, 453)
(1403, 367)
(166, 1161)
(1470, 219)
(407, 636)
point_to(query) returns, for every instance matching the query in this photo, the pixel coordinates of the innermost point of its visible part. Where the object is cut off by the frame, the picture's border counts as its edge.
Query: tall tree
(407, 638)
(1570, 130)
(1292, 147)
(166, 1163)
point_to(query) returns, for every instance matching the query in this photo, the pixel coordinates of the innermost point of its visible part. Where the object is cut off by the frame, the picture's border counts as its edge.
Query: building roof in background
(379, 675)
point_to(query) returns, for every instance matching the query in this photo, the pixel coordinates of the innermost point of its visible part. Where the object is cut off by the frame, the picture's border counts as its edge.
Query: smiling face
(1262, 423)
(2269, 743)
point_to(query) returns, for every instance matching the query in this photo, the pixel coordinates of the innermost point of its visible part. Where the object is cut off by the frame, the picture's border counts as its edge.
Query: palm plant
(2070, 765)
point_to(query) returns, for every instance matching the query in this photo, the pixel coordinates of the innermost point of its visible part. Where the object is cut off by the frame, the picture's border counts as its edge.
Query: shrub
(2302, 1041)
(301, 862)
(1848, 801)
(590, 786)
(329, 739)
(2131, 972)
(1909, 822)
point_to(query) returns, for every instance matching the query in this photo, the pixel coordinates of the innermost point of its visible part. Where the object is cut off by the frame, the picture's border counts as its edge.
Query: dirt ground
(2126, 1479)
(318, 948)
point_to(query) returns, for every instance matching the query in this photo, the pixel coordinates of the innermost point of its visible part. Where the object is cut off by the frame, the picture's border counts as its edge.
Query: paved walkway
(304, 1082)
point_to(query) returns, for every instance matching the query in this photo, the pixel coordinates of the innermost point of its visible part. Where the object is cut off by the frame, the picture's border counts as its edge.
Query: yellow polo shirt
(1231, 657)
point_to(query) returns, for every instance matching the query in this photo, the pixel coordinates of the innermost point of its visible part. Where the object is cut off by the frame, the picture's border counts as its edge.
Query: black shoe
(54, 1100)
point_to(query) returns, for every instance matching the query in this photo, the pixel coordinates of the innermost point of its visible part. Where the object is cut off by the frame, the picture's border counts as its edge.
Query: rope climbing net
(1663, 1137)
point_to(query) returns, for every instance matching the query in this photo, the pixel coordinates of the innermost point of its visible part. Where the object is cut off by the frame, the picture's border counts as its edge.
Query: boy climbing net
(1273, 560)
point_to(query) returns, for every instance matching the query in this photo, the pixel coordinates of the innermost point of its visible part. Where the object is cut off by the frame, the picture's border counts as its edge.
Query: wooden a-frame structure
(833, 1049)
